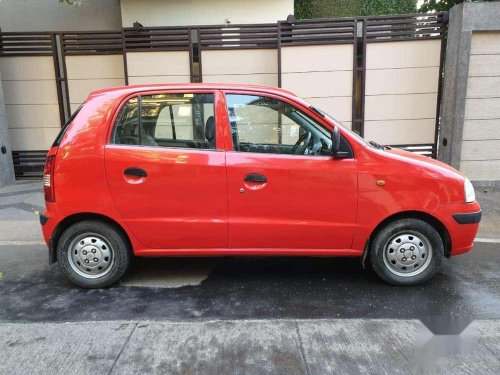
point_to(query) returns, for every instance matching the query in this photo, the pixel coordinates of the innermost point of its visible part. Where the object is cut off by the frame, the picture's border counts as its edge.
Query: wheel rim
(90, 255)
(407, 253)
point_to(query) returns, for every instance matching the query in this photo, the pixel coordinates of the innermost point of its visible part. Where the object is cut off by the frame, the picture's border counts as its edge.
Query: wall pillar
(470, 120)
(6, 164)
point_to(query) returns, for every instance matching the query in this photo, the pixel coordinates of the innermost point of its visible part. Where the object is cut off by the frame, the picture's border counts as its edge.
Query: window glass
(167, 120)
(267, 125)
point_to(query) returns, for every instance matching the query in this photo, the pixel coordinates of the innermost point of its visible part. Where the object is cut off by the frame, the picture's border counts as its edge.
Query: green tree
(352, 8)
(442, 5)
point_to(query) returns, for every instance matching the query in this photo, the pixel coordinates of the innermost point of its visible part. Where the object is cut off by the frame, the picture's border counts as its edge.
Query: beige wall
(322, 75)
(31, 101)
(480, 158)
(401, 91)
(158, 67)
(255, 66)
(106, 71)
(203, 12)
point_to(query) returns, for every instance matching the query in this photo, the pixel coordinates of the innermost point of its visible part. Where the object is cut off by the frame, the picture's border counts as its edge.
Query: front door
(166, 174)
(285, 191)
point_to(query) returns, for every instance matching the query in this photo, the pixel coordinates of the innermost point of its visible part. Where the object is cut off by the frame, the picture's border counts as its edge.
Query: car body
(233, 185)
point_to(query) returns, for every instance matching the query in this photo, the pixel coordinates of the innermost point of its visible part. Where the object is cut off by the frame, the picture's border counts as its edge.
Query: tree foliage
(441, 5)
(352, 8)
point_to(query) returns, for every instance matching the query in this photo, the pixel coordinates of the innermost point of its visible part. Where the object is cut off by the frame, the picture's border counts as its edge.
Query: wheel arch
(76, 218)
(428, 218)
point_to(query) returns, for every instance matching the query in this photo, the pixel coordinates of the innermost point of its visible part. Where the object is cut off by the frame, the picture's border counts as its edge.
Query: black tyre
(406, 252)
(93, 254)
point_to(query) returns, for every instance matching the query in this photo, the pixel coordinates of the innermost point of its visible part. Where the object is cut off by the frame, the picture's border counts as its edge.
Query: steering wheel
(300, 146)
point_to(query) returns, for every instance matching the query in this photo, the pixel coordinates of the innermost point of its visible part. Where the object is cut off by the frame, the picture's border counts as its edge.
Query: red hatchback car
(219, 169)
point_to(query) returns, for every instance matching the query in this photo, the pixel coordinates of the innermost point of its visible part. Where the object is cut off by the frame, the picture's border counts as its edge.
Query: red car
(220, 169)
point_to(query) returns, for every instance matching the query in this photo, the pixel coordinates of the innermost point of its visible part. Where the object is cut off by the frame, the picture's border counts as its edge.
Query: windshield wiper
(379, 146)
(376, 145)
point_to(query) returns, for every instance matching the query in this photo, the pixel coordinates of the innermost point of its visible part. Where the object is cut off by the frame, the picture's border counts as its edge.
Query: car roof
(127, 90)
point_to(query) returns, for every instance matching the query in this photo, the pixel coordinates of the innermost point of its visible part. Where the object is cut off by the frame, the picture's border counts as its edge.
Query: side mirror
(335, 142)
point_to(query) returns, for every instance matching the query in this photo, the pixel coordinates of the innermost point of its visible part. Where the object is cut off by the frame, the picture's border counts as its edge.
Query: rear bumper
(43, 219)
(48, 227)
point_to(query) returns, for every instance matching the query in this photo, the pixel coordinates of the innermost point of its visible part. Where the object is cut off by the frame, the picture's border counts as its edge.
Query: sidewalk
(235, 347)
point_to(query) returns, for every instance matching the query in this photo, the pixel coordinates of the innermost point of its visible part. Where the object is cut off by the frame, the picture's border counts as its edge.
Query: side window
(267, 125)
(167, 120)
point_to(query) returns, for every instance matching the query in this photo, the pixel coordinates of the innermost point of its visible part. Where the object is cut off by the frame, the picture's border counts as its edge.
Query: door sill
(248, 252)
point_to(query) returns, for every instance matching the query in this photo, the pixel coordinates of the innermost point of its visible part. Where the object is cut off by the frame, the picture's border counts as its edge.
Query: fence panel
(385, 84)
(158, 55)
(403, 59)
(239, 53)
(317, 63)
(31, 94)
(92, 61)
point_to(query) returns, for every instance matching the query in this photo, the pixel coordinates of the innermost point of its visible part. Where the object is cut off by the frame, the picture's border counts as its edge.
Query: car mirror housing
(335, 142)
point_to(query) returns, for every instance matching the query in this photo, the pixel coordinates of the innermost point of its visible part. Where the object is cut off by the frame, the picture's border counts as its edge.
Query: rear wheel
(407, 252)
(93, 254)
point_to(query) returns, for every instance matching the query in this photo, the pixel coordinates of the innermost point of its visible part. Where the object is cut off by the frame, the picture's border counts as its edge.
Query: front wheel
(93, 254)
(407, 252)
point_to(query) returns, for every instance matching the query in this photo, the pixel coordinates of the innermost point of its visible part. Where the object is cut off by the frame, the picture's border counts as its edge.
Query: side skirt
(248, 252)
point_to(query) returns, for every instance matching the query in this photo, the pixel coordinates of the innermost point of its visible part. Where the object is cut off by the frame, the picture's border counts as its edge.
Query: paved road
(236, 315)
(238, 288)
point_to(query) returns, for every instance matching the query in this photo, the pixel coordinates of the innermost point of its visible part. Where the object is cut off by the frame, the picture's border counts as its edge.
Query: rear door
(165, 164)
(285, 191)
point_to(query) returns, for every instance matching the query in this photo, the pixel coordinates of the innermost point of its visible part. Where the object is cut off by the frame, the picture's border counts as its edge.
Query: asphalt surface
(237, 315)
(246, 288)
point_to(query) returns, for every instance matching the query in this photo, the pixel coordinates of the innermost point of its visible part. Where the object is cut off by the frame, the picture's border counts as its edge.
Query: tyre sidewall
(119, 244)
(415, 225)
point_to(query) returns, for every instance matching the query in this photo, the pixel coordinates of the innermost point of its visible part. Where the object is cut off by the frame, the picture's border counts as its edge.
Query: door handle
(136, 172)
(255, 177)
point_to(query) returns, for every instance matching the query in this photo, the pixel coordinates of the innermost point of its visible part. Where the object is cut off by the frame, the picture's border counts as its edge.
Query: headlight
(470, 196)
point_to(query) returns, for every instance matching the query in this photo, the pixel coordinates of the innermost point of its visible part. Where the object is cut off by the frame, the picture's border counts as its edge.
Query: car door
(165, 164)
(285, 191)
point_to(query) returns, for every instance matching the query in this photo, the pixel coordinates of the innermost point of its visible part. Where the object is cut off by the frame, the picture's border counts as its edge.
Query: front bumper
(462, 222)
(468, 218)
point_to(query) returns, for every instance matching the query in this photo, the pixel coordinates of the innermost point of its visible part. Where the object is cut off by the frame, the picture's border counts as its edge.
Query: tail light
(48, 179)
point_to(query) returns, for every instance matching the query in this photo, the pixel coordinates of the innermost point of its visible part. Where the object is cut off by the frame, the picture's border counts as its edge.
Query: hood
(424, 161)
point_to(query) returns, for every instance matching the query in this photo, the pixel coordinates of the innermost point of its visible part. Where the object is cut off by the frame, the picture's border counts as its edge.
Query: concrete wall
(470, 133)
(6, 165)
(401, 91)
(480, 157)
(107, 71)
(203, 12)
(49, 15)
(253, 66)
(29, 86)
(322, 75)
